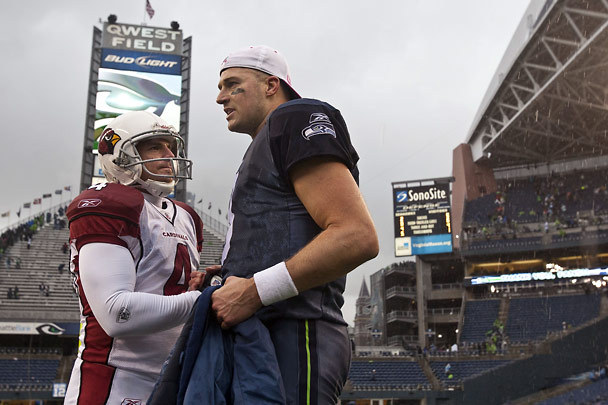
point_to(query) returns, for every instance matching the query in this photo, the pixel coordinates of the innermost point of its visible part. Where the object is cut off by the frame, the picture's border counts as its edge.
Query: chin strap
(156, 188)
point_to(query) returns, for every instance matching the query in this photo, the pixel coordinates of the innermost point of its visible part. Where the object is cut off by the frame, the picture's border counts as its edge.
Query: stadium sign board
(141, 38)
(140, 68)
(39, 328)
(59, 390)
(135, 61)
(536, 276)
(422, 219)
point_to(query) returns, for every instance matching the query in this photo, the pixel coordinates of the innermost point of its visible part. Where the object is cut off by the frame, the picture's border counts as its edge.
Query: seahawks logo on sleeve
(319, 125)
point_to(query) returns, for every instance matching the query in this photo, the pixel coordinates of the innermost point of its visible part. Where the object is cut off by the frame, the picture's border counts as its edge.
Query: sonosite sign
(422, 219)
(140, 69)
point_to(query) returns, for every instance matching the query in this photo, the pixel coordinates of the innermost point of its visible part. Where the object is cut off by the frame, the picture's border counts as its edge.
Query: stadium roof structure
(551, 103)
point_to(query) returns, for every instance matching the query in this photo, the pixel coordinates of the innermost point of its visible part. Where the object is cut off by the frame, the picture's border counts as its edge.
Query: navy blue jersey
(269, 224)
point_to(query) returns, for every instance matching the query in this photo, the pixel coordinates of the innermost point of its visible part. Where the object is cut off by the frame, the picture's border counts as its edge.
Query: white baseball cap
(262, 58)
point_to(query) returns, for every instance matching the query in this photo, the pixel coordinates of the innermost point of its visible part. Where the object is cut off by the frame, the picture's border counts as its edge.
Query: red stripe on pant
(95, 383)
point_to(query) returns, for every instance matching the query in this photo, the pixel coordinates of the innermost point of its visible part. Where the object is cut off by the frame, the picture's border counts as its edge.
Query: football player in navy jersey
(298, 223)
(134, 255)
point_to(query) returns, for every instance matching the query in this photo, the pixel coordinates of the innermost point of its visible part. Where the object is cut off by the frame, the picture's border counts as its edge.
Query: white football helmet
(121, 162)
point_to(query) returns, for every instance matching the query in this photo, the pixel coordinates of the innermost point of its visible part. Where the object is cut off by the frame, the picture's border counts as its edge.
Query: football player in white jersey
(134, 255)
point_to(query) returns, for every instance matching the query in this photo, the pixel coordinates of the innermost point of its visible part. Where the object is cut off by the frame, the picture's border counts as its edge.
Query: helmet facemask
(130, 159)
(122, 163)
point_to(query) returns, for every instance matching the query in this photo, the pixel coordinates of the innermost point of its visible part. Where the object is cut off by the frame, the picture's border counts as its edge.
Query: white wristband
(274, 284)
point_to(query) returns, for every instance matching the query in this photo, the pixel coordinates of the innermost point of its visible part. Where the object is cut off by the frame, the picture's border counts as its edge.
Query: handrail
(213, 223)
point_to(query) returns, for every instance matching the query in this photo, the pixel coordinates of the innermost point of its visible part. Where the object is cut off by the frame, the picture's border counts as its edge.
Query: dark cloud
(407, 75)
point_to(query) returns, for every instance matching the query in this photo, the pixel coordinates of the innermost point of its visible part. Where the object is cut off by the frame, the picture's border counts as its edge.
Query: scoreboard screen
(140, 70)
(422, 219)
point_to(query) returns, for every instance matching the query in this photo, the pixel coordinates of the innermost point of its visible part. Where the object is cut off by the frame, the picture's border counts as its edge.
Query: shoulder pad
(303, 111)
(304, 103)
(108, 199)
(197, 221)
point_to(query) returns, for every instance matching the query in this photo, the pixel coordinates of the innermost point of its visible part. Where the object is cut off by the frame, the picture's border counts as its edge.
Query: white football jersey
(164, 239)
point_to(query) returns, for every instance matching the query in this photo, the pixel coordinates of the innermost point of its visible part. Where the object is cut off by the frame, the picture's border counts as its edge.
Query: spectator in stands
(64, 248)
(29, 242)
(454, 348)
(8, 262)
(16, 292)
(9, 294)
(60, 268)
(135, 269)
(18, 263)
(42, 287)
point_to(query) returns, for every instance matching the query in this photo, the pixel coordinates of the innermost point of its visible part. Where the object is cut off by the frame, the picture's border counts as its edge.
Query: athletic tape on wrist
(274, 284)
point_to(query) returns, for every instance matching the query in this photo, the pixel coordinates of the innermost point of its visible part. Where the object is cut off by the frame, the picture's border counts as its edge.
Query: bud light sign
(141, 62)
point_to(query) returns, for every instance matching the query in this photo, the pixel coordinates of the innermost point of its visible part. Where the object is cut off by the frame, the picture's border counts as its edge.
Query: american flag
(149, 9)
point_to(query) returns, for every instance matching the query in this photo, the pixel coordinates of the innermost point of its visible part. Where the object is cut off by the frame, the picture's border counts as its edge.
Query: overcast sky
(408, 77)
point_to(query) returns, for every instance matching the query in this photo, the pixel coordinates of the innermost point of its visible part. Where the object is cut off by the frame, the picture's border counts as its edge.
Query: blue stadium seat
(478, 319)
(532, 318)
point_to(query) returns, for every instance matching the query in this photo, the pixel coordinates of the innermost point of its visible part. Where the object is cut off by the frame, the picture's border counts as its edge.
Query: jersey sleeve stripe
(114, 240)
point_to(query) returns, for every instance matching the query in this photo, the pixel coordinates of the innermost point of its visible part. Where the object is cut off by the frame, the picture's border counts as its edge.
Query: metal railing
(443, 311)
(448, 286)
(213, 223)
(399, 339)
(396, 315)
(401, 270)
(393, 291)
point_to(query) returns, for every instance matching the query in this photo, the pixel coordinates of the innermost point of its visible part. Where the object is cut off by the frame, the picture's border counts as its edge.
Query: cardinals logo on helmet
(107, 141)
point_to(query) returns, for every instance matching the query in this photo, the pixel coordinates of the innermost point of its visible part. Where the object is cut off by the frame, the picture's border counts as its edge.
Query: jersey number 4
(181, 271)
